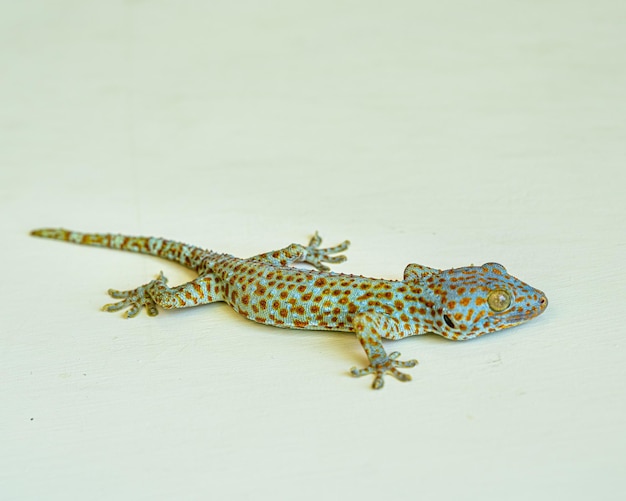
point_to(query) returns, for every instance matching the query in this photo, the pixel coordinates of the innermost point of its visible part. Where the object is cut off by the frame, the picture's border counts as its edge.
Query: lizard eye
(499, 300)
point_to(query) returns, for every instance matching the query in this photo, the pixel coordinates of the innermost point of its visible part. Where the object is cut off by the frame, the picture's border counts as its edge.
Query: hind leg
(202, 290)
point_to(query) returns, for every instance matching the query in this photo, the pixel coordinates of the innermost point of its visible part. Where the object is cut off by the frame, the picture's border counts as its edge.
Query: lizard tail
(187, 255)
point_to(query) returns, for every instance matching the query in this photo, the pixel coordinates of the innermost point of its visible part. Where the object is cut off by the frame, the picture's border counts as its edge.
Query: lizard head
(477, 300)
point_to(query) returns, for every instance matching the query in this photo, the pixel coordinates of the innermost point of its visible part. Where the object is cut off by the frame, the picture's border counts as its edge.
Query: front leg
(369, 328)
(202, 290)
(311, 254)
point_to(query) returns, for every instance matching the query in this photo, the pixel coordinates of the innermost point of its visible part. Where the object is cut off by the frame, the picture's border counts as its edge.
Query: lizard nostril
(543, 301)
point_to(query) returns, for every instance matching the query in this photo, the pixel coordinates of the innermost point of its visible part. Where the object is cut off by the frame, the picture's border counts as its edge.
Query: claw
(336, 259)
(362, 372)
(315, 241)
(400, 376)
(134, 300)
(134, 310)
(112, 307)
(388, 367)
(317, 257)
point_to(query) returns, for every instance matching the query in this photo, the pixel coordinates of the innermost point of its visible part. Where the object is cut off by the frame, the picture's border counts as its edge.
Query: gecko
(457, 304)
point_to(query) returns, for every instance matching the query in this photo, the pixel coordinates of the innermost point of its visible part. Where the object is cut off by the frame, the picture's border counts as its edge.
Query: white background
(444, 133)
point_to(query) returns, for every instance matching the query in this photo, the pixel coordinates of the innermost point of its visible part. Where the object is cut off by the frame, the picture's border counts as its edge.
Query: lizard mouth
(522, 317)
(533, 312)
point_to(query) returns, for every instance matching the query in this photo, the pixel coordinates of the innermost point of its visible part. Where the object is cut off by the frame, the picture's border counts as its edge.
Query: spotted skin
(458, 304)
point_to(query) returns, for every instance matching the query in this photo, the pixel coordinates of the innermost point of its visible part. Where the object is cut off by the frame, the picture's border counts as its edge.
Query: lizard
(457, 303)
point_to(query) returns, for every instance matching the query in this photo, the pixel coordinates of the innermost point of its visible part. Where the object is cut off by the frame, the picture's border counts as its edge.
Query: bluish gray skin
(457, 304)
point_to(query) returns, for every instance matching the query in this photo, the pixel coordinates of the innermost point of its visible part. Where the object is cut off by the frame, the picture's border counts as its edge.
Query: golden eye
(499, 300)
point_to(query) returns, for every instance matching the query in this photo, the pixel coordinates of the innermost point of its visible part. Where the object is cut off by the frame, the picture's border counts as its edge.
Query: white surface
(441, 133)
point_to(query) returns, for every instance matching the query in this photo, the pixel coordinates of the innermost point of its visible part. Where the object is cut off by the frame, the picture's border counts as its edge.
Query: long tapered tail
(187, 255)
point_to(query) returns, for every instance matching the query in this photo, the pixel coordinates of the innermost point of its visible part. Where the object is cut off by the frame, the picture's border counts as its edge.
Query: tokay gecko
(458, 304)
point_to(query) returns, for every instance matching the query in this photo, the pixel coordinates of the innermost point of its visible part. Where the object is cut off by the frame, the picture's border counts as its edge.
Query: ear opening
(448, 321)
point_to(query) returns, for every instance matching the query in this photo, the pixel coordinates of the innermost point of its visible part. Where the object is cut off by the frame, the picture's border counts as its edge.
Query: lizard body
(458, 304)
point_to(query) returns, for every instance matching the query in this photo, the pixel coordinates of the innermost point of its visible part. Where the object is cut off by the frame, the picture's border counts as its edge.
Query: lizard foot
(390, 365)
(135, 299)
(317, 257)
